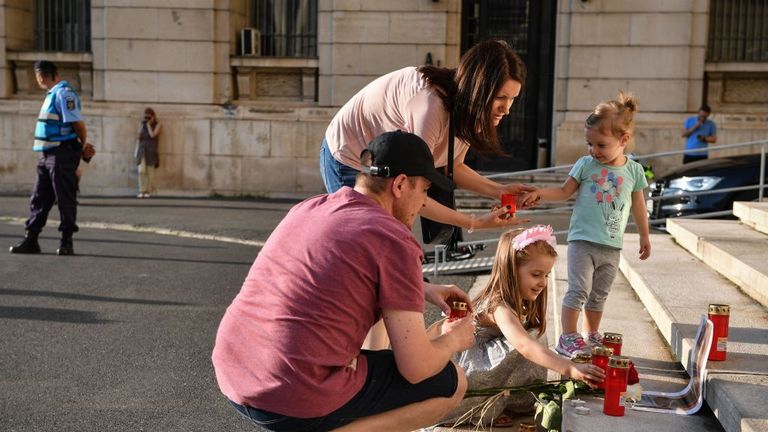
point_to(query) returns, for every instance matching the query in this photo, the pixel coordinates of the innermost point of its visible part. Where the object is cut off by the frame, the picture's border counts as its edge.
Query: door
(529, 27)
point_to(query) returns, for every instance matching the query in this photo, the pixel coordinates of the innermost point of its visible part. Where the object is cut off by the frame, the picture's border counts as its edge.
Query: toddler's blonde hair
(615, 117)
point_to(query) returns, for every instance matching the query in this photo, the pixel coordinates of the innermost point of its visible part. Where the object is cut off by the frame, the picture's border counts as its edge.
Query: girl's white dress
(494, 362)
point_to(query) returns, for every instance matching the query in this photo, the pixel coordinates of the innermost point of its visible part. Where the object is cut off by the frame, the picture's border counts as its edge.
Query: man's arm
(688, 131)
(418, 357)
(80, 130)
(712, 138)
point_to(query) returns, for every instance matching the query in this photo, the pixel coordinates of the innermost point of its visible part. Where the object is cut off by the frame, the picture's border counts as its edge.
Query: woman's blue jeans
(335, 174)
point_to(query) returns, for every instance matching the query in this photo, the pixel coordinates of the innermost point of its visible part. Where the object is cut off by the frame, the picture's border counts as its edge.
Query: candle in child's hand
(458, 309)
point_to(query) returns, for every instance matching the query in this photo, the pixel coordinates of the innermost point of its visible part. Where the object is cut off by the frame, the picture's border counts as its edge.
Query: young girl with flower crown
(511, 318)
(609, 186)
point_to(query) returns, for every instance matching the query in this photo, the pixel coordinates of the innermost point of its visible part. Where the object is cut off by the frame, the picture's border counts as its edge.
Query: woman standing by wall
(146, 152)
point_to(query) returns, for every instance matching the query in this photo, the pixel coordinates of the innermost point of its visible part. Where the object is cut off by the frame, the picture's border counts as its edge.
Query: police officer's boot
(65, 247)
(27, 246)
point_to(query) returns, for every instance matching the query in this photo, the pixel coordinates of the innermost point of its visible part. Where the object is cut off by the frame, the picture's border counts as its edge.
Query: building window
(63, 25)
(288, 28)
(738, 31)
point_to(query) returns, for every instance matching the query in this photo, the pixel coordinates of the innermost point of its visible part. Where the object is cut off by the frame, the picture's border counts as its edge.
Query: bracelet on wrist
(471, 224)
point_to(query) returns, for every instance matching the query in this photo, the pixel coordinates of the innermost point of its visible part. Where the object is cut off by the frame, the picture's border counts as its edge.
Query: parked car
(704, 175)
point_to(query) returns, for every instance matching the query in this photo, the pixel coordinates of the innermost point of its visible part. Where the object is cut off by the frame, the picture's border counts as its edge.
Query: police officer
(60, 137)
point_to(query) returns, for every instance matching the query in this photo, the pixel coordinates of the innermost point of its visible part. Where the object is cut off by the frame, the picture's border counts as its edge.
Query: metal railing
(440, 250)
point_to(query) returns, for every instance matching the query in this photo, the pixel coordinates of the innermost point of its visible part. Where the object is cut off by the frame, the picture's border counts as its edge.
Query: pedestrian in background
(146, 152)
(61, 139)
(698, 132)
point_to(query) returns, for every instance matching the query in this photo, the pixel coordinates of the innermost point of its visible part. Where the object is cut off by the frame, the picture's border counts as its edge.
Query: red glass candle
(615, 385)
(458, 310)
(509, 200)
(613, 340)
(719, 314)
(600, 355)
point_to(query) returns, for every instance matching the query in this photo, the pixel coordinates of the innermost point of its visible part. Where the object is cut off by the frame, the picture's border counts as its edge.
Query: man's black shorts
(384, 390)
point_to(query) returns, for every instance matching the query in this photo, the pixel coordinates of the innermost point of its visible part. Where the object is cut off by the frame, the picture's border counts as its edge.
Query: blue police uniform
(60, 153)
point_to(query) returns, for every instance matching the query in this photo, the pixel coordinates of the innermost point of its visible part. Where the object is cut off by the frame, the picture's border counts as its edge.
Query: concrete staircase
(713, 261)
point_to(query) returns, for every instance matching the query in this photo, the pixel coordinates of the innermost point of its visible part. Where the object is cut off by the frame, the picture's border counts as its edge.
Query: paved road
(119, 336)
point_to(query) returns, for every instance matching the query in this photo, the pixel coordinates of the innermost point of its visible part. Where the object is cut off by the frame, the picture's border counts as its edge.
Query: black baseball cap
(398, 152)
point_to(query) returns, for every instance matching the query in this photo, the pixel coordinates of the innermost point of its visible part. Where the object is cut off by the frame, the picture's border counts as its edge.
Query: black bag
(433, 232)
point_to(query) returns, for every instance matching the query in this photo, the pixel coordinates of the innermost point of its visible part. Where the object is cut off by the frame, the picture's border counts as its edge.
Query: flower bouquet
(549, 399)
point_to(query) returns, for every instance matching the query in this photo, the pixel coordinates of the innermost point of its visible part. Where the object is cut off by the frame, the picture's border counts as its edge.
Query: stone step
(752, 214)
(658, 369)
(730, 247)
(676, 288)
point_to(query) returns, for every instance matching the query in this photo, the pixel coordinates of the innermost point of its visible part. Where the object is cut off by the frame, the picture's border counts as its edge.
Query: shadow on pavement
(71, 296)
(51, 314)
(146, 258)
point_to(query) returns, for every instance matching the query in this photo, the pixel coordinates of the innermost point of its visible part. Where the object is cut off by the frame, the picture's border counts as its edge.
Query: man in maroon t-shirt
(288, 353)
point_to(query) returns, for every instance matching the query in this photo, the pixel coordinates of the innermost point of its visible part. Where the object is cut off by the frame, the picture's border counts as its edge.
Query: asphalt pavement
(119, 336)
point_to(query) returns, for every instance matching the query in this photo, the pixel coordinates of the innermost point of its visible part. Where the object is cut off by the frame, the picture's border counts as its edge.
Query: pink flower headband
(532, 235)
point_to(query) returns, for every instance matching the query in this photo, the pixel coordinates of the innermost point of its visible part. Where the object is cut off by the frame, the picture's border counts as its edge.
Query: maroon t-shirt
(316, 288)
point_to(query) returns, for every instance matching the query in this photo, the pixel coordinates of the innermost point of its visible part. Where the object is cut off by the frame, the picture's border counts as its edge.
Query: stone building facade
(238, 124)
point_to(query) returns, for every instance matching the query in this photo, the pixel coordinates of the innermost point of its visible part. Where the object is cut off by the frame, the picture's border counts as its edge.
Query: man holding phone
(698, 131)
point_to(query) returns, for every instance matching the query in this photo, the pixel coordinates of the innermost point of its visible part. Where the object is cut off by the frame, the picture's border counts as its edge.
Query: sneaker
(570, 344)
(594, 339)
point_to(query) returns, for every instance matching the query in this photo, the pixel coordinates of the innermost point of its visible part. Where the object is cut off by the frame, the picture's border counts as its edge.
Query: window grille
(63, 25)
(738, 31)
(288, 28)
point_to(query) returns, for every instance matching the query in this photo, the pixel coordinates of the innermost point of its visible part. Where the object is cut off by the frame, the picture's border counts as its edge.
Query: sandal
(503, 421)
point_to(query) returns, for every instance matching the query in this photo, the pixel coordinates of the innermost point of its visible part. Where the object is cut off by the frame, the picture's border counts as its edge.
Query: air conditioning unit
(250, 42)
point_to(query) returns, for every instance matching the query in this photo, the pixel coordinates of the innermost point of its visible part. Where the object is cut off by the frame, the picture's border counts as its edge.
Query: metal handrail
(440, 249)
(761, 143)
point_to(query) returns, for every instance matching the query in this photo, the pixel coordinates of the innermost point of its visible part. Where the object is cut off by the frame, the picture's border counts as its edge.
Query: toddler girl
(609, 185)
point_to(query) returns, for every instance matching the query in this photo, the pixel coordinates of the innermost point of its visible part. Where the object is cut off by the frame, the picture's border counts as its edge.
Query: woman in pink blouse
(419, 100)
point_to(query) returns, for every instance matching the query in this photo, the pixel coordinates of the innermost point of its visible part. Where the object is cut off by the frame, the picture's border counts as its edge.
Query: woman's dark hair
(470, 89)
(46, 68)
